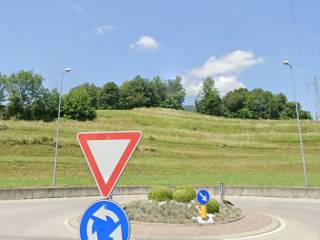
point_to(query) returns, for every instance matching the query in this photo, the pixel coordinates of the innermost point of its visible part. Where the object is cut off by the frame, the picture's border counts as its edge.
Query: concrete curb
(39, 193)
(73, 224)
(269, 229)
(276, 225)
(188, 224)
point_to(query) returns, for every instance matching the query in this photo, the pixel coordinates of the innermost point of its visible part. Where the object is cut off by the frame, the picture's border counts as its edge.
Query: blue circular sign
(104, 219)
(203, 197)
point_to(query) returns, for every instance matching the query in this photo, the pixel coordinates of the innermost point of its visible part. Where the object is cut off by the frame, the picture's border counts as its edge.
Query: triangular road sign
(107, 154)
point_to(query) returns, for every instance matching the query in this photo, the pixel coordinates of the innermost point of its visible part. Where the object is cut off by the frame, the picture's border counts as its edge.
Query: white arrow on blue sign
(203, 197)
(104, 219)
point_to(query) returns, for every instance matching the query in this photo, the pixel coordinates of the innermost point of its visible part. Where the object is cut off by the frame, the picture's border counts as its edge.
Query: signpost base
(203, 212)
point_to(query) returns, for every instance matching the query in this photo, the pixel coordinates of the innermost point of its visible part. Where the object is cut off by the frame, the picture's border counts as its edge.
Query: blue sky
(238, 42)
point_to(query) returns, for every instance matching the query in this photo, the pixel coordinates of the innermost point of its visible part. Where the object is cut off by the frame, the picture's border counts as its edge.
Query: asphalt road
(46, 218)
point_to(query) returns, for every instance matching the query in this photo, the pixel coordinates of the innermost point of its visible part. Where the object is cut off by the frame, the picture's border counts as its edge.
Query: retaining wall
(38, 193)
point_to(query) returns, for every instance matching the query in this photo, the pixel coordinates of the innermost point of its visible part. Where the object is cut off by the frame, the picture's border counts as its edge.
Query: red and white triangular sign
(107, 154)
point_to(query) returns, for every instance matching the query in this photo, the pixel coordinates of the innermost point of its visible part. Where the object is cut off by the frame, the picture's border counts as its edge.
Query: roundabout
(146, 222)
(49, 219)
(249, 225)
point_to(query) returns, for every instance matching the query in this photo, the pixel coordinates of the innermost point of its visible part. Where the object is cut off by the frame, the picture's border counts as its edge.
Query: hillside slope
(178, 147)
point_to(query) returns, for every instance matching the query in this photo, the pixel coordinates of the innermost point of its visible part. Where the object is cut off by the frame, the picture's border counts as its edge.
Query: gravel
(174, 212)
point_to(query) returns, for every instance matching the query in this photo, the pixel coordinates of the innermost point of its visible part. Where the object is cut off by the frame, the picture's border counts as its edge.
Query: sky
(240, 43)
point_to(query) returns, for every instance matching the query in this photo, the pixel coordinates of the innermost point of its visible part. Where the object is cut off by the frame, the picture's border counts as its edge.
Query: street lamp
(66, 70)
(287, 63)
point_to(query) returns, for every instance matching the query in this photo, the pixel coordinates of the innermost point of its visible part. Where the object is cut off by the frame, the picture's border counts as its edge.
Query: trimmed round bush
(160, 194)
(182, 195)
(191, 190)
(213, 206)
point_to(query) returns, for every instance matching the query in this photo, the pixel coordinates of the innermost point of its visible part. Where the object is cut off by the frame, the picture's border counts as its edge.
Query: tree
(290, 111)
(77, 105)
(281, 101)
(23, 88)
(15, 108)
(305, 115)
(110, 96)
(138, 92)
(2, 89)
(160, 89)
(94, 93)
(46, 106)
(174, 94)
(3, 109)
(234, 103)
(260, 103)
(245, 113)
(208, 100)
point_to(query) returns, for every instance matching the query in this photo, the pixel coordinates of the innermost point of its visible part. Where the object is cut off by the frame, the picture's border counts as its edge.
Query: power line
(312, 28)
(314, 82)
(295, 25)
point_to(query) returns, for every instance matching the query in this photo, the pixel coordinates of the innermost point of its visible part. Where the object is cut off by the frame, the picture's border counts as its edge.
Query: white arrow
(204, 197)
(90, 234)
(117, 234)
(103, 213)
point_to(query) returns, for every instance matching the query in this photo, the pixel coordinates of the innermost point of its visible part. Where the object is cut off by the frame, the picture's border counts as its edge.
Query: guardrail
(38, 193)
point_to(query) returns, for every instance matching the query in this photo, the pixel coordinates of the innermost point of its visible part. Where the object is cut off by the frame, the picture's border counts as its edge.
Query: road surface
(46, 218)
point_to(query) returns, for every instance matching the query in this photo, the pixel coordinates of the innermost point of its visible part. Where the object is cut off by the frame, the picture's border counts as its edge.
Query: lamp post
(287, 63)
(58, 128)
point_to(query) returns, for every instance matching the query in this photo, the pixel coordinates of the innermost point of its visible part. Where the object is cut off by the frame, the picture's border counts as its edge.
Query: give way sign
(107, 154)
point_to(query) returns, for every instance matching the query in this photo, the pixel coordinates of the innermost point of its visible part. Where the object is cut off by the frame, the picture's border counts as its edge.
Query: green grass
(178, 147)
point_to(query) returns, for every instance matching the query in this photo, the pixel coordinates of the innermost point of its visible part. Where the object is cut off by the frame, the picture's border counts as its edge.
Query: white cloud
(227, 83)
(222, 69)
(145, 43)
(103, 29)
(78, 9)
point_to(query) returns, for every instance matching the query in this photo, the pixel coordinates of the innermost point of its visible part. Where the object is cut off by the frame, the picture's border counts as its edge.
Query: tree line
(23, 96)
(242, 103)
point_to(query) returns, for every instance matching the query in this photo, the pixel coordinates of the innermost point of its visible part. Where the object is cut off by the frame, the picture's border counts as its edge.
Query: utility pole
(316, 87)
(305, 172)
(58, 128)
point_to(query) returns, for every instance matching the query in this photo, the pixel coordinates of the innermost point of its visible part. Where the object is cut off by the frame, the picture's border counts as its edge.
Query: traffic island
(180, 214)
(175, 220)
(173, 212)
(250, 224)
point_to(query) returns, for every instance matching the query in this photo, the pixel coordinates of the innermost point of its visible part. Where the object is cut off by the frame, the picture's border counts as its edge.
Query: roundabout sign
(104, 219)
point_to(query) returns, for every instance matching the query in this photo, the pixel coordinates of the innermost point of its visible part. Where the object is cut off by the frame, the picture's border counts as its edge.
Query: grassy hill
(178, 147)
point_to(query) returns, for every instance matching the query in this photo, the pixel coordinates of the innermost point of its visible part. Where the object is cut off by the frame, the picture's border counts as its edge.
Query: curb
(39, 193)
(190, 224)
(274, 226)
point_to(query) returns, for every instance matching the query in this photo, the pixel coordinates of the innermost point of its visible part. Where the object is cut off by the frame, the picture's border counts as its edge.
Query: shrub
(191, 190)
(160, 194)
(42, 140)
(182, 195)
(77, 105)
(213, 206)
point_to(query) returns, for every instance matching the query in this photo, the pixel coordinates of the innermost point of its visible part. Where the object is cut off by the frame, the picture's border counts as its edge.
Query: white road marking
(278, 229)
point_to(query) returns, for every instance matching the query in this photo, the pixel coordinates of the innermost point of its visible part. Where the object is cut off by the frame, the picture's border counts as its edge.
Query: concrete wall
(13, 194)
(293, 192)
